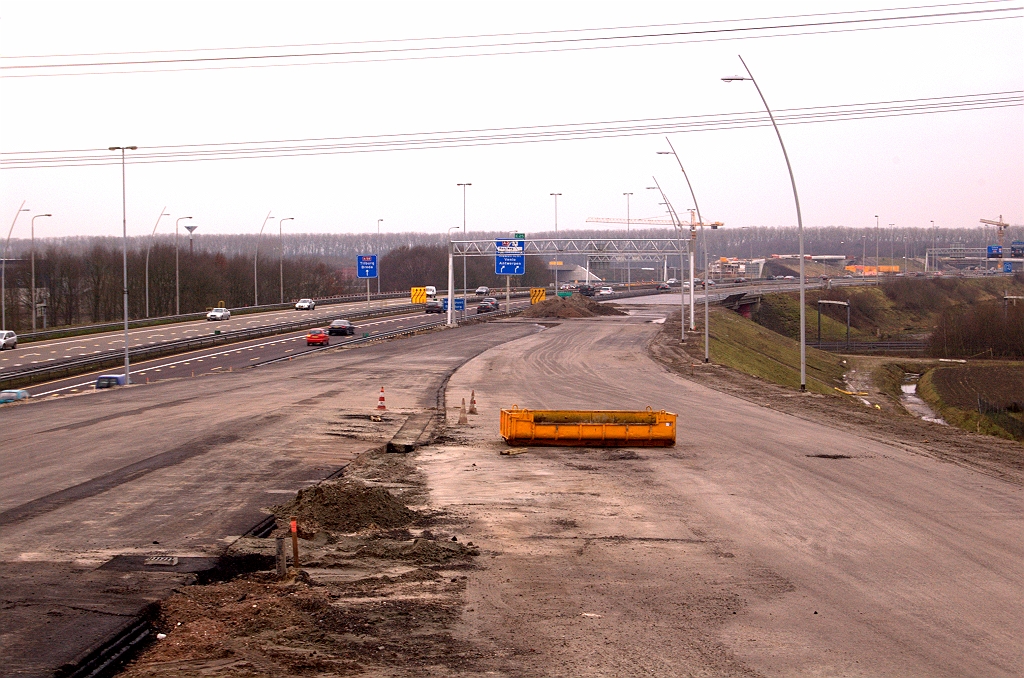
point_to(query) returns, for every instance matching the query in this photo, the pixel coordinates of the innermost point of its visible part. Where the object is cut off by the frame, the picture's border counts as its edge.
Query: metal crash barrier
(589, 428)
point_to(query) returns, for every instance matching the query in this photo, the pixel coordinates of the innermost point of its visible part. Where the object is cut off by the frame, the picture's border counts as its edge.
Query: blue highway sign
(509, 257)
(460, 304)
(366, 266)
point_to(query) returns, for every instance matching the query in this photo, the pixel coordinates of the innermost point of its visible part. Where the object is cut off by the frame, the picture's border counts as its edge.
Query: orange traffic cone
(380, 400)
(462, 413)
(472, 402)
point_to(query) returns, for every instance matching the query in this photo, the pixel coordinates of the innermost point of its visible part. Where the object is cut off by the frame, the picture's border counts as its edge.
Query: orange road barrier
(538, 294)
(418, 295)
(589, 428)
(380, 401)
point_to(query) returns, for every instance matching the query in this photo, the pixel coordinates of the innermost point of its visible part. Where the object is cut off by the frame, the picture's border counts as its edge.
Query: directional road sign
(460, 304)
(995, 251)
(509, 257)
(366, 266)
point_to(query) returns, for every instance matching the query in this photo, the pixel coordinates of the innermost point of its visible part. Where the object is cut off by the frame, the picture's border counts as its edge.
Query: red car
(318, 338)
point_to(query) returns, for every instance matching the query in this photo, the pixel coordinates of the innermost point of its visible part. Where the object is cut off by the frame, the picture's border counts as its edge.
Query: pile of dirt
(344, 506)
(576, 306)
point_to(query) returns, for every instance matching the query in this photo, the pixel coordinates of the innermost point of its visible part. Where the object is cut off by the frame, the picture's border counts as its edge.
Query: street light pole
(280, 246)
(556, 238)
(464, 291)
(3, 269)
(177, 277)
(451, 274)
(892, 245)
(700, 220)
(124, 229)
(799, 224)
(682, 292)
(255, 260)
(34, 267)
(629, 267)
(148, 248)
(378, 262)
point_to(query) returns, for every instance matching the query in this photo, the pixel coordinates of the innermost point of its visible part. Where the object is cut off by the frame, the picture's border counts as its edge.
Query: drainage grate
(164, 561)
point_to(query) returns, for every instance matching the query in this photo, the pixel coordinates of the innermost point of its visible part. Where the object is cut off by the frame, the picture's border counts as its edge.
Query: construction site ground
(783, 535)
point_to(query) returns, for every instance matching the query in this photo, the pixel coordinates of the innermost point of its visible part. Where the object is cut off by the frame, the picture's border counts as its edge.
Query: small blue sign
(995, 251)
(366, 266)
(444, 303)
(509, 257)
(460, 304)
(1007, 267)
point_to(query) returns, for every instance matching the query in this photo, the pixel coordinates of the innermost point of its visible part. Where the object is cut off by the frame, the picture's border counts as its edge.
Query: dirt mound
(575, 306)
(344, 506)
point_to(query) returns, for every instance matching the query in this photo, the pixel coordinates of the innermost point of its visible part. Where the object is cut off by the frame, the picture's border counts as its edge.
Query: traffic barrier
(418, 295)
(537, 295)
(589, 428)
(380, 401)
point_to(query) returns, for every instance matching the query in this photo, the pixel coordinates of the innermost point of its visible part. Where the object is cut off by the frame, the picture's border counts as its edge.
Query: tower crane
(1000, 226)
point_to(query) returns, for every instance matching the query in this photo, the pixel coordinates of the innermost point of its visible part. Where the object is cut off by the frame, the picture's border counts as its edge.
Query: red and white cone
(380, 400)
(472, 402)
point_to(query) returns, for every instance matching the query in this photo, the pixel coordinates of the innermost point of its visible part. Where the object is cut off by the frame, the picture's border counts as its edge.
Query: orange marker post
(295, 543)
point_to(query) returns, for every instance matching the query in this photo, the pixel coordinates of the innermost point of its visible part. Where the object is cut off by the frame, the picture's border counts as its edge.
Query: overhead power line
(510, 135)
(511, 44)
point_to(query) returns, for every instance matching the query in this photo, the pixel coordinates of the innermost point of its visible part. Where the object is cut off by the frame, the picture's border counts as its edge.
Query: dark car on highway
(341, 327)
(318, 338)
(434, 306)
(488, 305)
(587, 290)
(664, 287)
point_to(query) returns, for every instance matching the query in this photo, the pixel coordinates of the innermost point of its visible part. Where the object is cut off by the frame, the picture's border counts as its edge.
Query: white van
(431, 291)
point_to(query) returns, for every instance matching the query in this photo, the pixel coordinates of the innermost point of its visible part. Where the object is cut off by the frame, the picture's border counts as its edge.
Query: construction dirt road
(763, 543)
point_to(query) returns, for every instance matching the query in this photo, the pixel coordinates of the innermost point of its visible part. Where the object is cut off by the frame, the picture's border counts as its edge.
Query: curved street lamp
(148, 248)
(280, 235)
(679, 231)
(799, 223)
(3, 269)
(255, 259)
(451, 273)
(378, 262)
(629, 267)
(34, 267)
(177, 285)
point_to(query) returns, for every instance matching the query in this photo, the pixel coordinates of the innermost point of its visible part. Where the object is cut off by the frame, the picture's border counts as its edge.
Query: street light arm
(700, 219)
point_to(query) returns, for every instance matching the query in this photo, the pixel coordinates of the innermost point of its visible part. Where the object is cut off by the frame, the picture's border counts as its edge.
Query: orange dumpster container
(589, 428)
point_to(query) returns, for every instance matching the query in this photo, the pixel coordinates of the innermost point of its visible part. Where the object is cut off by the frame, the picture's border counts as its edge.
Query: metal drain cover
(165, 561)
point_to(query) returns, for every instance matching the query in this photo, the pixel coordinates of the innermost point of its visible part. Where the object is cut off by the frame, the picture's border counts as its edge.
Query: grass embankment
(981, 398)
(748, 347)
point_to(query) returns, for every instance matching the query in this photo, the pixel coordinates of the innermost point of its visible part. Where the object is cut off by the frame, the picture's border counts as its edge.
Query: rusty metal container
(589, 428)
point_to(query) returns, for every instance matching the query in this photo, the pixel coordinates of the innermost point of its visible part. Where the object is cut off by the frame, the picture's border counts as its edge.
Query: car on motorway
(8, 339)
(740, 280)
(342, 327)
(110, 381)
(305, 305)
(218, 314)
(318, 337)
(605, 291)
(431, 291)
(12, 394)
(482, 291)
(488, 305)
(672, 281)
(587, 290)
(664, 287)
(434, 306)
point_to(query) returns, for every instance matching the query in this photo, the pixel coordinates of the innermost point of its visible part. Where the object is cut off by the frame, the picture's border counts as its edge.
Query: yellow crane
(1000, 226)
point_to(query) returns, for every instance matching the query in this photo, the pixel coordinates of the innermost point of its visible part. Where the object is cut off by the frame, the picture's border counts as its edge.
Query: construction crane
(646, 222)
(1000, 225)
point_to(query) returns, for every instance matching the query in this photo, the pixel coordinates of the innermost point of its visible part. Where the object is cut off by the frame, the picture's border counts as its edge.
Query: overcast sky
(953, 168)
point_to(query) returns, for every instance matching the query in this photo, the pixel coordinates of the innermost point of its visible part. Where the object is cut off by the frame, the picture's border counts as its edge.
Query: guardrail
(898, 347)
(116, 358)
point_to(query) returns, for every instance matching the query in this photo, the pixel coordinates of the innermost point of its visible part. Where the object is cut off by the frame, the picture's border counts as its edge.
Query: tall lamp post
(255, 260)
(892, 246)
(148, 248)
(378, 262)
(280, 246)
(555, 195)
(177, 276)
(629, 263)
(34, 267)
(700, 220)
(464, 292)
(799, 224)
(124, 233)
(3, 269)
(451, 274)
(682, 293)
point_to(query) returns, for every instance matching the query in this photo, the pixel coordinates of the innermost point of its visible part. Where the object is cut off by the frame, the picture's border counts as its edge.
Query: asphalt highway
(241, 355)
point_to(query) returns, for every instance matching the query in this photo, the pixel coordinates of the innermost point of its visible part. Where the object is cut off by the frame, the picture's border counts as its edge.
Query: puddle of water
(914, 404)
